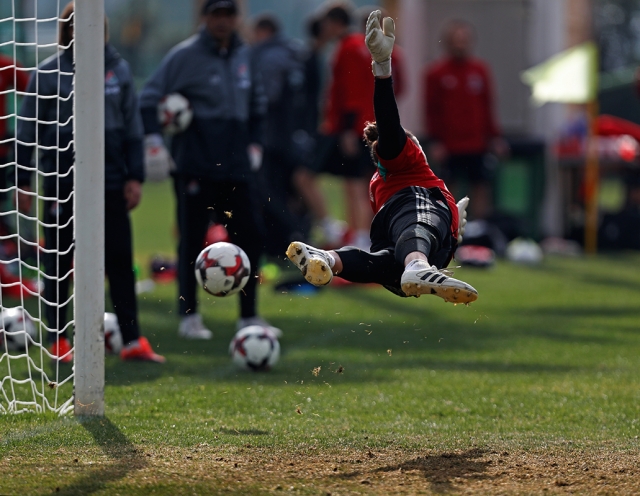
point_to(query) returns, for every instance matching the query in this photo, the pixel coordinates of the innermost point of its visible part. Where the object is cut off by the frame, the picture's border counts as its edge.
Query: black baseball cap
(213, 5)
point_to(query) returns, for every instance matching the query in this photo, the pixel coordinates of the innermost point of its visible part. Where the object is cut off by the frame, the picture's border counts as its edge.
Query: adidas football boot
(419, 278)
(313, 263)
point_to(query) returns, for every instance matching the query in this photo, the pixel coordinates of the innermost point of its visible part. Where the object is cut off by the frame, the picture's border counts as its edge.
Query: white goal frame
(89, 272)
(30, 385)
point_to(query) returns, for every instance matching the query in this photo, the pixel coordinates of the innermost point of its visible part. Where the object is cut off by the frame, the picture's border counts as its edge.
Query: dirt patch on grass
(474, 471)
(208, 469)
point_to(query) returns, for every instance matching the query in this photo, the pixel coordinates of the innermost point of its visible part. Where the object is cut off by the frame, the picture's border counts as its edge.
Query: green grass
(547, 357)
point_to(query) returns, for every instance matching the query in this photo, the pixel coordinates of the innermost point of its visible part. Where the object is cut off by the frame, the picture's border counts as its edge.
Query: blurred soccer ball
(524, 251)
(174, 113)
(15, 325)
(255, 348)
(222, 269)
(112, 334)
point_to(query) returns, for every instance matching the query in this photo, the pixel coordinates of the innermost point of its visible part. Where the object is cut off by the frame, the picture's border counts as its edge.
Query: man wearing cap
(213, 179)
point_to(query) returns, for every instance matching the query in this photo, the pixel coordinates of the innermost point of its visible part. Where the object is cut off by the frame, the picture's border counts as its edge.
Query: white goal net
(51, 227)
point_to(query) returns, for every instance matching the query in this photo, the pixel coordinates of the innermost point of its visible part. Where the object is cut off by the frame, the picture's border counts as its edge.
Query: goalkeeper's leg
(350, 263)
(420, 224)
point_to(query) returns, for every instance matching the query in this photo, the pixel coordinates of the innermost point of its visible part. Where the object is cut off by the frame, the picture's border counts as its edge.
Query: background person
(10, 78)
(340, 150)
(348, 106)
(123, 177)
(280, 64)
(460, 118)
(305, 177)
(213, 176)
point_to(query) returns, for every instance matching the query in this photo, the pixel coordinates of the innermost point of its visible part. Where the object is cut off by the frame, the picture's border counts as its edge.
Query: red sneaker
(61, 350)
(140, 350)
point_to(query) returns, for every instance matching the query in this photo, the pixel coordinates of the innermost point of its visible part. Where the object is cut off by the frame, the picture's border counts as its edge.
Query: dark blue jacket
(228, 106)
(280, 64)
(53, 107)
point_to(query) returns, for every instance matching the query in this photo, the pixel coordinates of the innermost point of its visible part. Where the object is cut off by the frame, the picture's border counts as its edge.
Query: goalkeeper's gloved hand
(157, 160)
(380, 41)
(462, 217)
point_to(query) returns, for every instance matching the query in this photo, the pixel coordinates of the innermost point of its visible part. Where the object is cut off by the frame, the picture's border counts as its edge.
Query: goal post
(52, 207)
(89, 273)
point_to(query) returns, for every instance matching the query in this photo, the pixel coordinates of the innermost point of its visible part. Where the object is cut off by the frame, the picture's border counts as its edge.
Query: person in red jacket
(417, 223)
(11, 77)
(460, 120)
(341, 151)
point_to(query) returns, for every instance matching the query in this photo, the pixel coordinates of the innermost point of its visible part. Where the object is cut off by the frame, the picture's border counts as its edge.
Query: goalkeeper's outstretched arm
(380, 40)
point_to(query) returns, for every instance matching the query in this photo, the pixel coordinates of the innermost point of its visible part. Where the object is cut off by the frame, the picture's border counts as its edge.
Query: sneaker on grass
(191, 327)
(312, 262)
(140, 350)
(259, 321)
(419, 278)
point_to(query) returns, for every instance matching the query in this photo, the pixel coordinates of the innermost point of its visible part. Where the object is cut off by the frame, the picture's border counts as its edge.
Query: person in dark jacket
(213, 178)
(49, 99)
(280, 64)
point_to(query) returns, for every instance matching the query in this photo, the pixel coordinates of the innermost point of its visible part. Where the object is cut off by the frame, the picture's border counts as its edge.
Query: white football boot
(419, 278)
(312, 262)
(259, 321)
(191, 327)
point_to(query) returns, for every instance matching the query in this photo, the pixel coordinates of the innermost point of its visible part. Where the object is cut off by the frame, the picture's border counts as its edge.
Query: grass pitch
(534, 389)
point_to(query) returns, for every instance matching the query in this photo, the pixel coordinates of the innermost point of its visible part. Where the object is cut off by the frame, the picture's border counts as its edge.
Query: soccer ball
(15, 325)
(112, 334)
(255, 348)
(222, 269)
(174, 113)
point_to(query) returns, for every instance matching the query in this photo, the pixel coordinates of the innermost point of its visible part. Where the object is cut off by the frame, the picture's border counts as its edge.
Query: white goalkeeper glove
(462, 217)
(380, 41)
(157, 159)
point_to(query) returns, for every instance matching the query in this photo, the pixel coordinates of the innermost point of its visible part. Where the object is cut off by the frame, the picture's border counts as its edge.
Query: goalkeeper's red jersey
(410, 168)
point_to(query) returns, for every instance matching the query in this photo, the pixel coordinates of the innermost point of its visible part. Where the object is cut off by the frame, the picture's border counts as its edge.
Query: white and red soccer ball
(255, 348)
(16, 327)
(222, 269)
(174, 113)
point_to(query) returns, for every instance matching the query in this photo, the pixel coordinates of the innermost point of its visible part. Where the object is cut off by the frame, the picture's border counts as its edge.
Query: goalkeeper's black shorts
(418, 215)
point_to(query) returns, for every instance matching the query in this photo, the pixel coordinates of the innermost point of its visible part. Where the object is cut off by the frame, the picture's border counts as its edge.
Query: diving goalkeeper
(417, 224)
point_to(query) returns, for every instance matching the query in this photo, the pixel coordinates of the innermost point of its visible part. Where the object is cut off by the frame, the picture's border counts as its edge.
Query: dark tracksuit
(213, 176)
(124, 158)
(279, 63)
